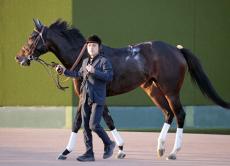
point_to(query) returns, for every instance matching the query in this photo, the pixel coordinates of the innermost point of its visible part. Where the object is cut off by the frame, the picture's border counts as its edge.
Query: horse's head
(35, 45)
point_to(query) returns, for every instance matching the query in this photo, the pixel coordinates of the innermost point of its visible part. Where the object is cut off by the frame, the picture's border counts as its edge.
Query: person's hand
(90, 68)
(60, 69)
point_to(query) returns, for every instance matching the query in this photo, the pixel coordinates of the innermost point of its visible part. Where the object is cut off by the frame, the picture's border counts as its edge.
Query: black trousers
(91, 117)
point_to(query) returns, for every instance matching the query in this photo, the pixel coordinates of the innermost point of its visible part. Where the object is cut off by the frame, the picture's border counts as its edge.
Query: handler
(96, 71)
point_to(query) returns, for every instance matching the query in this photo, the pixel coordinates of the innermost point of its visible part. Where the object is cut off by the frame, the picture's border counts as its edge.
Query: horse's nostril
(18, 58)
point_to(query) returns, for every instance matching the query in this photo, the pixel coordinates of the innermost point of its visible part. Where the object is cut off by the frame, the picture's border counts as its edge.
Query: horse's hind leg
(118, 139)
(175, 105)
(159, 99)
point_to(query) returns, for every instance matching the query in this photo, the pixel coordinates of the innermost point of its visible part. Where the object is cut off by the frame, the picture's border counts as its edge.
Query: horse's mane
(72, 34)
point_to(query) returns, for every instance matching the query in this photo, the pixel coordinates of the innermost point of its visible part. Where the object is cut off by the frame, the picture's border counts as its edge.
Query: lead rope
(79, 57)
(47, 67)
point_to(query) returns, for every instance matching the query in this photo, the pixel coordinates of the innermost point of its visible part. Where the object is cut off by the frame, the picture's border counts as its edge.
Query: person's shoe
(86, 157)
(109, 150)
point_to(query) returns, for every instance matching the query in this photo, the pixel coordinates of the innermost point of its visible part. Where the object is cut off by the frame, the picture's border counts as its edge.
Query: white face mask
(93, 49)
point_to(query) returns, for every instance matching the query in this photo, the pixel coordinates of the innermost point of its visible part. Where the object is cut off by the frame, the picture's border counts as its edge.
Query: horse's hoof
(62, 157)
(121, 155)
(171, 157)
(160, 152)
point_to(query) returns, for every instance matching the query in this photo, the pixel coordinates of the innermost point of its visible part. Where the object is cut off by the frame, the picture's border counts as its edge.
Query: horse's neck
(64, 51)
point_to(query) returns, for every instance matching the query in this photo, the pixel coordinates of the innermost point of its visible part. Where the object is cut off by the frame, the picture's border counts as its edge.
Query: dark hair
(94, 39)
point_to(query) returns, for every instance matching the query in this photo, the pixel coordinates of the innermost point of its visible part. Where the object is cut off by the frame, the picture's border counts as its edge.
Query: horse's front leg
(117, 137)
(73, 136)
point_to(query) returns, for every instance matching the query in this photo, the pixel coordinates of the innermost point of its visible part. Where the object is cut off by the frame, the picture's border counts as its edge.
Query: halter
(35, 43)
(48, 67)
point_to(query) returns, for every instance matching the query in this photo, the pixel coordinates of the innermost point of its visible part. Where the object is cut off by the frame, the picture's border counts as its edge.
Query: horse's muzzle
(23, 61)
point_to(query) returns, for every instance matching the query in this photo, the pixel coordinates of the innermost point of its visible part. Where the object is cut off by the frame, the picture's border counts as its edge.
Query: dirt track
(35, 147)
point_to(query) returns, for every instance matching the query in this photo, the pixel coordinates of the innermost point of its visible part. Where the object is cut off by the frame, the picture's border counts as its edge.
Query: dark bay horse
(155, 66)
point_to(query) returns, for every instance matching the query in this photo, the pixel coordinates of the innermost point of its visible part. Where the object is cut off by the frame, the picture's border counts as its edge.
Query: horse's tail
(200, 78)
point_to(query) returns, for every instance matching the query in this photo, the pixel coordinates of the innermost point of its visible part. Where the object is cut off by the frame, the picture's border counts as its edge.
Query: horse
(155, 66)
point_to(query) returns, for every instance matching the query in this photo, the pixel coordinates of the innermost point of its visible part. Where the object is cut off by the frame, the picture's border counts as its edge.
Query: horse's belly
(124, 85)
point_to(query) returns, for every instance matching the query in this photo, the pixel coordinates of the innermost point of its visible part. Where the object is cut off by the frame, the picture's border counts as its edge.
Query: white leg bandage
(178, 140)
(119, 141)
(72, 142)
(164, 132)
(162, 136)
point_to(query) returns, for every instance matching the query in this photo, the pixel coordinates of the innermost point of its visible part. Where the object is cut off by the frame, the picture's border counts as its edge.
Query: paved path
(40, 147)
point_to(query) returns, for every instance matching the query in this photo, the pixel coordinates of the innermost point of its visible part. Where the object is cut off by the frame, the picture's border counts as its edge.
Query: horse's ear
(38, 25)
